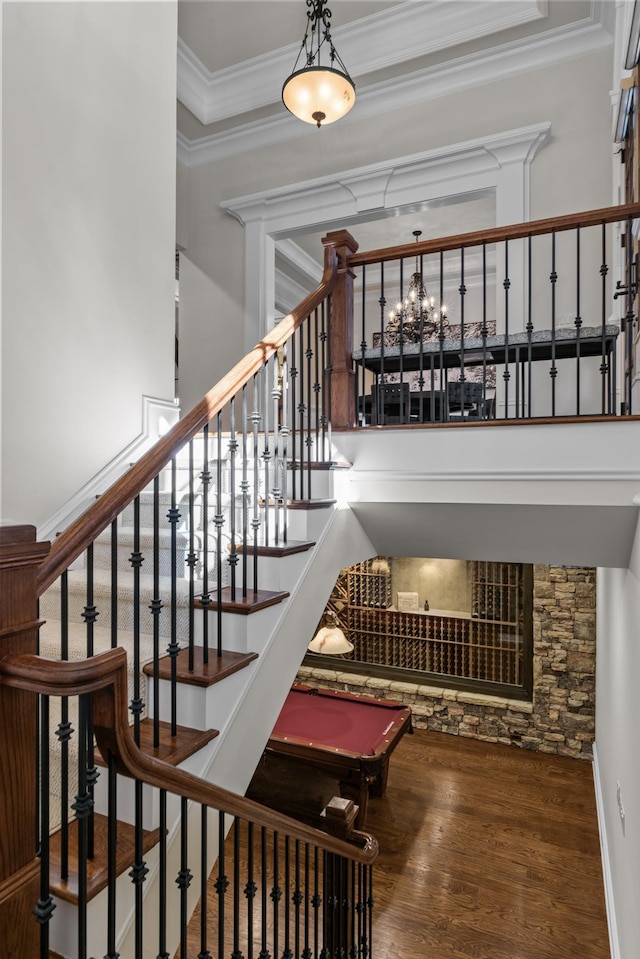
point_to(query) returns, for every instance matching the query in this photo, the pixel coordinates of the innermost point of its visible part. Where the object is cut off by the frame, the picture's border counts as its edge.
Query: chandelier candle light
(416, 313)
(315, 93)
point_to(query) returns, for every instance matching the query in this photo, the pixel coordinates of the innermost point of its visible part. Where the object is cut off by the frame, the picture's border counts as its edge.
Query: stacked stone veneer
(561, 718)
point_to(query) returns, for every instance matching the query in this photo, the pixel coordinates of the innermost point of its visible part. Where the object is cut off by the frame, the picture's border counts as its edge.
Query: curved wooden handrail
(84, 530)
(498, 234)
(105, 676)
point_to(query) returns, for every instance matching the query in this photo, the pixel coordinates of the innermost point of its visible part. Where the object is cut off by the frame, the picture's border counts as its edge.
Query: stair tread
(171, 750)
(244, 605)
(203, 674)
(322, 465)
(289, 548)
(97, 875)
(300, 503)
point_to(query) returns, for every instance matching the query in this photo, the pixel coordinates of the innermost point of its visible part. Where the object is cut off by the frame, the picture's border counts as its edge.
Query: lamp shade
(318, 94)
(330, 641)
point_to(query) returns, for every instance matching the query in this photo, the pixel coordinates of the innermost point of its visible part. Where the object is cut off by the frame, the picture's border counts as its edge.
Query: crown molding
(382, 40)
(501, 62)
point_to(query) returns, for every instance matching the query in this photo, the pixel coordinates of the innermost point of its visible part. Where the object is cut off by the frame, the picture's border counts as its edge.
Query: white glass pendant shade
(318, 94)
(330, 641)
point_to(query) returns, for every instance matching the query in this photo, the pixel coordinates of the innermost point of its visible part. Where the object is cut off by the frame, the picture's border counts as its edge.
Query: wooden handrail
(105, 676)
(84, 530)
(498, 234)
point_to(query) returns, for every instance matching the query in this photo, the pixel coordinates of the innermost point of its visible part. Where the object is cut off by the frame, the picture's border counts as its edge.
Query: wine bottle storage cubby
(369, 583)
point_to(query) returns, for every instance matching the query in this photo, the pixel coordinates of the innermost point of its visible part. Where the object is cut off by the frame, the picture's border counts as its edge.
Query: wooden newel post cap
(339, 817)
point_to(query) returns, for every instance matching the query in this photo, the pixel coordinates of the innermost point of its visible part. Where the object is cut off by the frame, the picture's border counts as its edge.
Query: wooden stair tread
(203, 674)
(97, 876)
(244, 605)
(300, 503)
(171, 750)
(321, 466)
(289, 548)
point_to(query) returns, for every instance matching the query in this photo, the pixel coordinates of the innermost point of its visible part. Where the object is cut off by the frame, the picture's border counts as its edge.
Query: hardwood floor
(487, 852)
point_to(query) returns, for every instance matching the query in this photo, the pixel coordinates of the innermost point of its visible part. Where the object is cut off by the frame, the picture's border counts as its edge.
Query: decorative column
(20, 556)
(343, 402)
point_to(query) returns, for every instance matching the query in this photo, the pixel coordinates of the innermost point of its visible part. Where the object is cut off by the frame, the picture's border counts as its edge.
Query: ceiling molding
(501, 62)
(291, 253)
(382, 40)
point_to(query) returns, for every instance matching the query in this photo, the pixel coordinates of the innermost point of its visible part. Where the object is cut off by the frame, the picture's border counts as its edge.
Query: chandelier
(314, 93)
(416, 314)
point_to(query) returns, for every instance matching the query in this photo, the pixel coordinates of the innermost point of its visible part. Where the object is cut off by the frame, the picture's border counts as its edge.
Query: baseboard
(614, 944)
(157, 417)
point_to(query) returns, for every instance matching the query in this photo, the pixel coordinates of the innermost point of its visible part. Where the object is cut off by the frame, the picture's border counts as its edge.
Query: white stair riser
(207, 707)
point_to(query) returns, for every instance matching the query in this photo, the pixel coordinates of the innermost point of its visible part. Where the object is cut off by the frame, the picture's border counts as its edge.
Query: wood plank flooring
(487, 852)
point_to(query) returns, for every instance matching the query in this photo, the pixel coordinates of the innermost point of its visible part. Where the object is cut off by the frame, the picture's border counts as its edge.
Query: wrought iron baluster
(316, 381)
(308, 436)
(276, 894)
(578, 319)
(444, 413)
(316, 901)
(360, 378)
(114, 584)
(221, 884)
(64, 733)
(256, 417)
(266, 454)
(205, 598)
(306, 951)
(380, 380)
(136, 559)
(82, 807)
(287, 953)
(112, 846)
(294, 435)
(173, 648)
(89, 615)
(604, 365)
(162, 877)
(284, 431)
(192, 556)
(250, 889)
(219, 525)
(506, 284)
(156, 607)
(276, 490)
(529, 327)
(138, 872)
(553, 278)
(264, 951)
(297, 898)
(184, 877)
(236, 954)
(401, 338)
(244, 489)
(45, 905)
(301, 406)
(484, 331)
(233, 450)
(204, 884)
(462, 290)
(325, 383)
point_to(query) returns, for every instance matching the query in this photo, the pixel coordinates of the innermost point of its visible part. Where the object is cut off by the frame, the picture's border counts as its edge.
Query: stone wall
(561, 718)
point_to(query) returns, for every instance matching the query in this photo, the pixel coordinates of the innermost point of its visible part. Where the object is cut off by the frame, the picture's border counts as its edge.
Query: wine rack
(369, 584)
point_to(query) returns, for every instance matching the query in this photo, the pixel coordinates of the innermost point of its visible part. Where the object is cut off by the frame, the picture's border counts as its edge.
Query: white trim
(614, 942)
(520, 56)
(376, 42)
(289, 251)
(288, 293)
(493, 476)
(154, 411)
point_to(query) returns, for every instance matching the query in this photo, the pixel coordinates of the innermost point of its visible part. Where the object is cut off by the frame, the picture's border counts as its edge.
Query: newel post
(20, 556)
(343, 399)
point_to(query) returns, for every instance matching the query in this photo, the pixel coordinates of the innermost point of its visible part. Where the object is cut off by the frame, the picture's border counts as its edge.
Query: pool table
(347, 736)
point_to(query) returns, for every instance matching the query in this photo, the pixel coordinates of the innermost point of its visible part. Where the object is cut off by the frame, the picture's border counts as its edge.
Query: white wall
(88, 239)
(573, 96)
(617, 730)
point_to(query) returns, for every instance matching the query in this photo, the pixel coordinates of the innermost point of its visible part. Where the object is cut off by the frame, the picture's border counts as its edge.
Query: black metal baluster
(308, 439)
(114, 584)
(136, 559)
(287, 953)
(64, 733)
(506, 375)
(276, 491)
(89, 615)
(462, 290)
(316, 902)
(266, 455)
(205, 598)
(325, 381)
(444, 412)
(628, 328)
(45, 905)
(284, 431)
(162, 877)
(294, 436)
(421, 380)
(173, 648)
(183, 880)
(301, 405)
(306, 952)
(138, 871)
(553, 277)
(370, 904)
(578, 320)
(604, 366)
(276, 893)
(250, 889)
(529, 327)
(380, 379)
(484, 331)
(244, 488)
(401, 311)
(264, 952)
(360, 378)
(218, 520)
(82, 807)
(156, 607)
(237, 953)
(192, 557)
(221, 884)
(233, 450)
(359, 909)
(297, 898)
(112, 857)
(255, 522)
(316, 382)
(204, 884)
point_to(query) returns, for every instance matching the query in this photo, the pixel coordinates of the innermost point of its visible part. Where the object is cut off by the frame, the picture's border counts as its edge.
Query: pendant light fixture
(315, 93)
(330, 639)
(417, 314)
